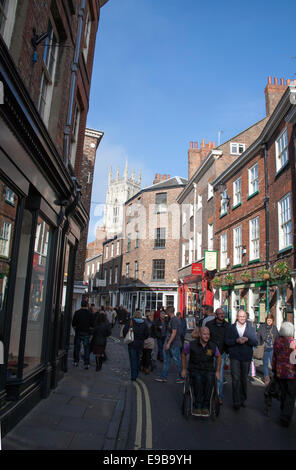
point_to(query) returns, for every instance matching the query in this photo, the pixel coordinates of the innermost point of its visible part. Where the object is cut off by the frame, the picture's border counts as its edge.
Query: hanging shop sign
(211, 260)
(196, 269)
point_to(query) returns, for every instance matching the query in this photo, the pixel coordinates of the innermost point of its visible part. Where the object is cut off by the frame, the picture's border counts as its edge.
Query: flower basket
(246, 276)
(216, 282)
(264, 274)
(282, 270)
(229, 279)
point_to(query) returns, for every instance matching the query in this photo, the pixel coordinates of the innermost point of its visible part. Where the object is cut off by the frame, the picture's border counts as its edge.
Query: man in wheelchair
(204, 362)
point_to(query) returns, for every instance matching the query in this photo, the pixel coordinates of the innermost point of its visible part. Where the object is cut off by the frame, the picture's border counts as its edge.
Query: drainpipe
(266, 205)
(74, 71)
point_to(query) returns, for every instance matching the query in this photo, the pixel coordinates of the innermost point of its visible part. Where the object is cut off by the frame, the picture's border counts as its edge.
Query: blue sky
(170, 71)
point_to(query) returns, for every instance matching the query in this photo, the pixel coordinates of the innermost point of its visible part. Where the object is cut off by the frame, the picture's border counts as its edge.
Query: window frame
(236, 202)
(157, 269)
(158, 238)
(254, 243)
(238, 144)
(211, 236)
(282, 233)
(279, 152)
(251, 180)
(223, 250)
(160, 207)
(48, 76)
(237, 248)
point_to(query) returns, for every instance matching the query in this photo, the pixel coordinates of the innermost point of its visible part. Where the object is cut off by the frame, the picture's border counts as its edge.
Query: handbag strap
(131, 323)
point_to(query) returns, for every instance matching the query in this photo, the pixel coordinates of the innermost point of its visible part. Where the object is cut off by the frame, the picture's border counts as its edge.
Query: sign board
(210, 260)
(101, 282)
(196, 268)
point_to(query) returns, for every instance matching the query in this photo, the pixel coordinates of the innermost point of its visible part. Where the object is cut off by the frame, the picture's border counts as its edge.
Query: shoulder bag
(259, 351)
(129, 337)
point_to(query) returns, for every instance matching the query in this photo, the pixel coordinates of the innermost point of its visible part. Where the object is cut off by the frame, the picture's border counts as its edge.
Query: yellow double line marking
(138, 437)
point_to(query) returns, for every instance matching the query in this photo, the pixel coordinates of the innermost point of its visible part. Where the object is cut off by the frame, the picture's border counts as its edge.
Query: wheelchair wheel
(215, 405)
(186, 403)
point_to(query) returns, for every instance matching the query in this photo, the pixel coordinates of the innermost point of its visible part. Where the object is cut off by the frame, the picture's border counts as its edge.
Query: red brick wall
(241, 215)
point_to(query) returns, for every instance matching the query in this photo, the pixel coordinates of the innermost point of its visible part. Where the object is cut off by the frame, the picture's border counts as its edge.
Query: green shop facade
(258, 298)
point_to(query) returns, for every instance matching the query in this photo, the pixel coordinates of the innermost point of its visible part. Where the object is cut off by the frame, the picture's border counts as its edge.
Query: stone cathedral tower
(118, 192)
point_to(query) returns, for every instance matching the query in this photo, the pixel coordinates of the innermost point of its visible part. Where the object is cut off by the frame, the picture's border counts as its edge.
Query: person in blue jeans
(172, 347)
(267, 334)
(135, 349)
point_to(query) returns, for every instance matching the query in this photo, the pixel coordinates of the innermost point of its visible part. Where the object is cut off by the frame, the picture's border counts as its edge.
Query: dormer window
(237, 148)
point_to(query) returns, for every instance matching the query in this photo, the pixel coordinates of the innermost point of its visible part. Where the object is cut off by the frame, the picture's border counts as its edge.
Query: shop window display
(20, 283)
(34, 333)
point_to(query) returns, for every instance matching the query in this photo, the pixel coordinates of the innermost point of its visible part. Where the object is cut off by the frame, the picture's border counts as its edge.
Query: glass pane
(8, 209)
(34, 334)
(20, 282)
(64, 296)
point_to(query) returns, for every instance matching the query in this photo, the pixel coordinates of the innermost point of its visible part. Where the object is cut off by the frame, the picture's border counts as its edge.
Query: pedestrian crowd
(160, 335)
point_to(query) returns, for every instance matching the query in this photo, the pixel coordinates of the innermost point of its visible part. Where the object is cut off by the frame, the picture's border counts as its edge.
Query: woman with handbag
(140, 331)
(267, 334)
(148, 344)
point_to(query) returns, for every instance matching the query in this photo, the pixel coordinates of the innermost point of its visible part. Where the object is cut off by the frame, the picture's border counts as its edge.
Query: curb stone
(124, 427)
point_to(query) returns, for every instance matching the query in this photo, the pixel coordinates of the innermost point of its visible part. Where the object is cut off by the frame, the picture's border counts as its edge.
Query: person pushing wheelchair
(204, 363)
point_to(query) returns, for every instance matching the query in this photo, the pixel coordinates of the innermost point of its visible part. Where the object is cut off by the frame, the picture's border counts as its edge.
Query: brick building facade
(147, 259)
(255, 218)
(197, 208)
(46, 58)
(91, 142)
(107, 280)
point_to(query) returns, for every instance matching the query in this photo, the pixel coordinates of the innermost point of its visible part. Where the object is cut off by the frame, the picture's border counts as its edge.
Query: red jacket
(282, 355)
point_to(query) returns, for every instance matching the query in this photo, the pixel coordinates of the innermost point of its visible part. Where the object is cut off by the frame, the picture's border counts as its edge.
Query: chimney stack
(273, 93)
(197, 155)
(158, 177)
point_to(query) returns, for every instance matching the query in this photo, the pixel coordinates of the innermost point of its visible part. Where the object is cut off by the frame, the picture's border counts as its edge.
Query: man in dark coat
(83, 322)
(240, 339)
(218, 328)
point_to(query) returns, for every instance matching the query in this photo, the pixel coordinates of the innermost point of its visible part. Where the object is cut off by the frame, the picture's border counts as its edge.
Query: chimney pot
(294, 81)
(203, 143)
(270, 80)
(276, 81)
(191, 145)
(282, 82)
(210, 144)
(195, 145)
(288, 82)
(214, 145)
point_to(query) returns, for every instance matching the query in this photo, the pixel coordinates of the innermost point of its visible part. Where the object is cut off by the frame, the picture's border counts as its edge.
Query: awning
(192, 279)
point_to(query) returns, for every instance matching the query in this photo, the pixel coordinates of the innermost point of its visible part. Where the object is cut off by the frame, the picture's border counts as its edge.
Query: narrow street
(105, 411)
(247, 429)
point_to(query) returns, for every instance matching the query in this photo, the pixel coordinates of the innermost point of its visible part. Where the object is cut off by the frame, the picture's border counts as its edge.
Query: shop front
(258, 299)
(38, 243)
(149, 299)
